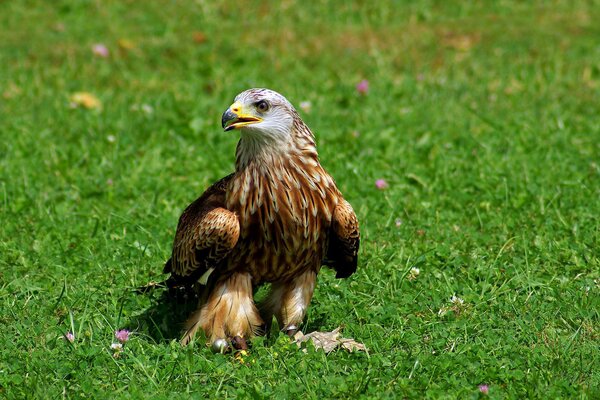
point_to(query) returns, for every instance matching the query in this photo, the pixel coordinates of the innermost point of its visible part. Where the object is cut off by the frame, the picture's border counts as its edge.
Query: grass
(482, 117)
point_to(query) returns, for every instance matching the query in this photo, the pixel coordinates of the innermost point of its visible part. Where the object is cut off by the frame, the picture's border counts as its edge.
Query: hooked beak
(235, 118)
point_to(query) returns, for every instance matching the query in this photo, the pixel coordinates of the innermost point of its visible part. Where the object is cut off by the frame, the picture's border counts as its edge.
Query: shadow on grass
(163, 320)
(316, 323)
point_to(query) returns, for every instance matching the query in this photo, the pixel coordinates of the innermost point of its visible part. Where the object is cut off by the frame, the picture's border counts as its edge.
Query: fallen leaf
(199, 37)
(126, 44)
(514, 86)
(329, 341)
(86, 100)
(58, 27)
(460, 42)
(12, 91)
(352, 345)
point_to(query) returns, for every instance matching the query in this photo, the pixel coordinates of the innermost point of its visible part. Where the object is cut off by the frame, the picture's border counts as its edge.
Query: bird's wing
(344, 239)
(206, 233)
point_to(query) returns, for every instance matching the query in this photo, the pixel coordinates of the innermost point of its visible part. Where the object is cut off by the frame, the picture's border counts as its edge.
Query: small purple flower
(362, 87)
(306, 106)
(70, 337)
(484, 389)
(100, 50)
(381, 184)
(122, 335)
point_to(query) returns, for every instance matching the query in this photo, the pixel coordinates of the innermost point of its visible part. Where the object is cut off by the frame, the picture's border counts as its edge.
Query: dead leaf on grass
(85, 100)
(329, 341)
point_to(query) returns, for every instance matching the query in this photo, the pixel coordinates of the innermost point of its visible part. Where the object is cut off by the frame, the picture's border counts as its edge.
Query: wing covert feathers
(342, 254)
(206, 233)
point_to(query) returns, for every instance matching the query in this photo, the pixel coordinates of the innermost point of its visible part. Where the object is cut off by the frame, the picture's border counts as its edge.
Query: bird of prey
(277, 219)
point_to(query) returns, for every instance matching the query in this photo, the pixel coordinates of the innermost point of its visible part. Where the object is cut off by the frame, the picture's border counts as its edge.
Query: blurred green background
(481, 117)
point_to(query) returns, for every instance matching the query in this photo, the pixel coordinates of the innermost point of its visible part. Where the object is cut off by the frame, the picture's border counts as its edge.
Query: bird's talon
(291, 330)
(239, 343)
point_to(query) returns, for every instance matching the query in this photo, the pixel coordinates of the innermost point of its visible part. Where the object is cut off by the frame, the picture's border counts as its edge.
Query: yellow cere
(236, 107)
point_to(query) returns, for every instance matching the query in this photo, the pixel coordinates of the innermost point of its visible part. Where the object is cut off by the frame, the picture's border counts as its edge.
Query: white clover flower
(457, 301)
(413, 273)
(116, 346)
(147, 109)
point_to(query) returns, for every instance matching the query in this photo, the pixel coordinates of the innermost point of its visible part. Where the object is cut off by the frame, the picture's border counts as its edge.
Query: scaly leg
(227, 313)
(288, 301)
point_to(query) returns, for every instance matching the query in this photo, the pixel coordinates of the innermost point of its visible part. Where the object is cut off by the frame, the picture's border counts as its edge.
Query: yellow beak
(235, 118)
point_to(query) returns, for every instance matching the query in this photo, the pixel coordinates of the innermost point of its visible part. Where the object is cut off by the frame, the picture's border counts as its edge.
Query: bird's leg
(228, 313)
(288, 301)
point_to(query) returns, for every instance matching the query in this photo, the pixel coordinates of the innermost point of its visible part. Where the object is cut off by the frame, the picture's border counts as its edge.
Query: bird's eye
(262, 106)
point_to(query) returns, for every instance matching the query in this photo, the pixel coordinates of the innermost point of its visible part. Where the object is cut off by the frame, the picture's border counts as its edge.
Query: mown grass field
(482, 118)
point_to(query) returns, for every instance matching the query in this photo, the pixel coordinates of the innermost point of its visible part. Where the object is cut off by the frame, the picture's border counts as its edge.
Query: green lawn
(482, 117)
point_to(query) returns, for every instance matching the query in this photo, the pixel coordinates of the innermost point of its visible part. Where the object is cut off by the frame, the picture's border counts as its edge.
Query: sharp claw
(239, 343)
(291, 330)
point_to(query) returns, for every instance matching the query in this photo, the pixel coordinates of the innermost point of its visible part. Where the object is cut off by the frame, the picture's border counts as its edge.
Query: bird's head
(260, 114)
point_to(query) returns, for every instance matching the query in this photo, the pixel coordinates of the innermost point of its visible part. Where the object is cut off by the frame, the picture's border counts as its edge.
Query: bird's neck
(264, 150)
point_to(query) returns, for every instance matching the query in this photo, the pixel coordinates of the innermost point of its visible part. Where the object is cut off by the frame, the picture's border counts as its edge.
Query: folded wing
(344, 239)
(206, 233)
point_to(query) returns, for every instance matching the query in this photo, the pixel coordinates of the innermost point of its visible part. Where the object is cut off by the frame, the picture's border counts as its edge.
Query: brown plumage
(277, 219)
